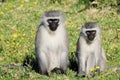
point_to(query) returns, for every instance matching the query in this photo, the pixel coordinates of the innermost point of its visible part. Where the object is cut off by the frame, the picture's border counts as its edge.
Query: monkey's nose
(53, 27)
(91, 38)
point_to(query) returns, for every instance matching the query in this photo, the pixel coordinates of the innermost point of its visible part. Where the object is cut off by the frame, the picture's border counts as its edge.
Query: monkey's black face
(53, 24)
(91, 34)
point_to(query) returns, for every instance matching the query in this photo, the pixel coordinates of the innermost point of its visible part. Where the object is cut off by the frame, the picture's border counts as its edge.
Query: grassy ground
(19, 20)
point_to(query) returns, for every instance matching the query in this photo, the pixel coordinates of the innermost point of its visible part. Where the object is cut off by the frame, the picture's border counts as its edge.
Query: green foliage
(19, 20)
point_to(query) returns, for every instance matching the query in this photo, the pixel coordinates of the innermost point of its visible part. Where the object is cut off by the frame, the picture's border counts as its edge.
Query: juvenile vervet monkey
(89, 52)
(51, 43)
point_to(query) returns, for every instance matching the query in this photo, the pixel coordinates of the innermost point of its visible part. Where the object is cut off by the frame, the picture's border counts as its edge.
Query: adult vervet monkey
(51, 43)
(89, 52)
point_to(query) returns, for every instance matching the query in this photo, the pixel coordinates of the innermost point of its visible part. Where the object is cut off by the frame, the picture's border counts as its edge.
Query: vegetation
(19, 20)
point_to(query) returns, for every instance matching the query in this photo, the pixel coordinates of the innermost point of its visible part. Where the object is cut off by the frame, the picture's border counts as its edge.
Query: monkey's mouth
(53, 27)
(91, 38)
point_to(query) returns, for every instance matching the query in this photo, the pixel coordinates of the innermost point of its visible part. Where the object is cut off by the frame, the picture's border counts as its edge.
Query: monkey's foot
(92, 74)
(56, 70)
(81, 74)
(63, 71)
(45, 73)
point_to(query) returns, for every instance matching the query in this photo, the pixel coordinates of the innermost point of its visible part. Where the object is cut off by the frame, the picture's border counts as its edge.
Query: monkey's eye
(87, 32)
(93, 32)
(49, 21)
(56, 20)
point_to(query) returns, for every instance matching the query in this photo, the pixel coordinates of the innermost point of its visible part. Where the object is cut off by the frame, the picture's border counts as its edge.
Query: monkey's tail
(114, 67)
(13, 66)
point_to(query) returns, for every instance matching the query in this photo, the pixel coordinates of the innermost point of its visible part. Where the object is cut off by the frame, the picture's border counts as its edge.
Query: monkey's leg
(43, 63)
(81, 66)
(64, 62)
(90, 65)
(102, 64)
(102, 61)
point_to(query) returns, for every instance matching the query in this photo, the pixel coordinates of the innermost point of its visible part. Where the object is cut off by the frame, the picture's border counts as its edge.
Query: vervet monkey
(89, 52)
(51, 43)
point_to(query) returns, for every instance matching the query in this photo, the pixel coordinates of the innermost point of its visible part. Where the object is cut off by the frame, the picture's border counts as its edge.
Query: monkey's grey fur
(90, 54)
(51, 47)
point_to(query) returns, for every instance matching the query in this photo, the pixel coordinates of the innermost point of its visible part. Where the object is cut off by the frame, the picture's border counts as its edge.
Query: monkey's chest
(53, 46)
(54, 50)
(54, 58)
(54, 61)
(90, 50)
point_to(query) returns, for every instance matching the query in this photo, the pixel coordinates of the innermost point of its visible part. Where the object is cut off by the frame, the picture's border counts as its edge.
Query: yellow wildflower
(23, 35)
(1, 29)
(17, 44)
(1, 37)
(21, 5)
(1, 13)
(92, 69)
(15, 35)
(10, 5)
(97, 67)
(6, 9)
(112, 46)
(22, 1)
(35, 3)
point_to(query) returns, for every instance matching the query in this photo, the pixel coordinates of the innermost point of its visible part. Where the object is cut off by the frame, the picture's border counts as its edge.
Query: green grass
(19, 20)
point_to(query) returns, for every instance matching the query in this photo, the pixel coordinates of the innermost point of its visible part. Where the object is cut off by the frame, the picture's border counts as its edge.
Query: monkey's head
(53, 19)
(91, 30)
